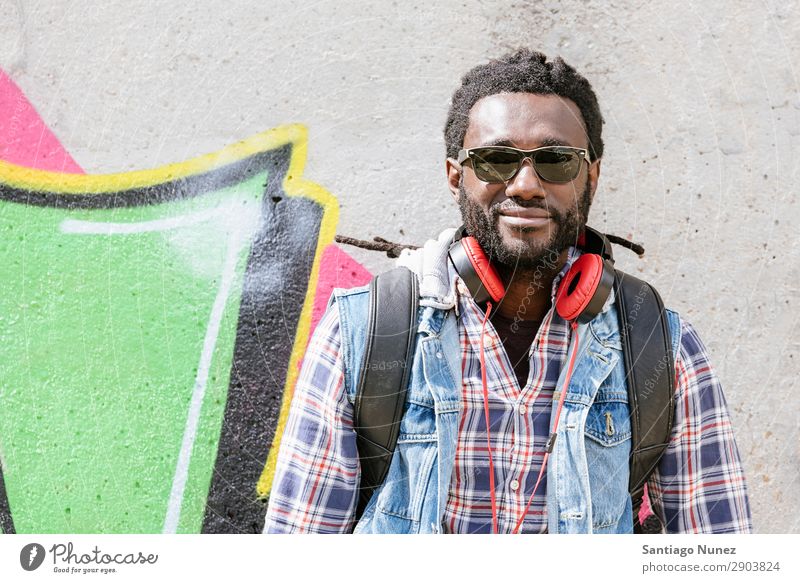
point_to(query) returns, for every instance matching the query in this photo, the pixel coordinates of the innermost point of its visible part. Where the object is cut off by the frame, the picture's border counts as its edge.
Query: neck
(528, 290)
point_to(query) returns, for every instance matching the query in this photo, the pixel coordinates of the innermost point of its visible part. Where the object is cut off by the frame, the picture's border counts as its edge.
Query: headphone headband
(593, 241)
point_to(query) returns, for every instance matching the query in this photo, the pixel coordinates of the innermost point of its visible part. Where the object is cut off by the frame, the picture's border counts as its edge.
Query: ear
(453, 170)
(594, 177)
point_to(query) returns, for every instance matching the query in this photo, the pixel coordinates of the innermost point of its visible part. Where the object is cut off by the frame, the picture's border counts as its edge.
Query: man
(502, 367)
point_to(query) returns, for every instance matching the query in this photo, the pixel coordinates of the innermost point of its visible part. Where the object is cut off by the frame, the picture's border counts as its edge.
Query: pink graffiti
(25, 139)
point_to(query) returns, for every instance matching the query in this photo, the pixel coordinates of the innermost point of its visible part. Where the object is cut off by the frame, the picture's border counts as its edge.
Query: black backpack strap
(381, 390)
(650, 377)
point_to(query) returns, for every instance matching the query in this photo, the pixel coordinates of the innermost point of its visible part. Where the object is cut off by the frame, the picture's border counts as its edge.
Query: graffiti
(148, 327)
(24, 137)
(152, 327)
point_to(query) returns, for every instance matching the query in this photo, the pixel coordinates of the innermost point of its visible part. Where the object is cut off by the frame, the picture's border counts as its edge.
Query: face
(526, 220)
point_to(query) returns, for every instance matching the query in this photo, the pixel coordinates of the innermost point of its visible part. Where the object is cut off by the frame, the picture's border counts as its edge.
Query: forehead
(525, 120)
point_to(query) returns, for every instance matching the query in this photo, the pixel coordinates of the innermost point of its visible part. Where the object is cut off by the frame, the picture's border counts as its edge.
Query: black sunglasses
(557, 164)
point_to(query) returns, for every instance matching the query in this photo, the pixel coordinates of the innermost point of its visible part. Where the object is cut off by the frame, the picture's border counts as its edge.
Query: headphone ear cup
(585, 288)
(478, 273)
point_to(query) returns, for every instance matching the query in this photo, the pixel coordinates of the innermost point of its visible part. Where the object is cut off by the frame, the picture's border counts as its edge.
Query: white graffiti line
(195, 407)
(80, 227)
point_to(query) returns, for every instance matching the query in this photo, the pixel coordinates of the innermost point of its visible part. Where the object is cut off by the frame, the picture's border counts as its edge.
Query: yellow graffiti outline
(294, 184)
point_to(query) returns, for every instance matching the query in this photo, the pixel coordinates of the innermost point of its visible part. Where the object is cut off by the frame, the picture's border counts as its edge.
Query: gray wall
(700, 100)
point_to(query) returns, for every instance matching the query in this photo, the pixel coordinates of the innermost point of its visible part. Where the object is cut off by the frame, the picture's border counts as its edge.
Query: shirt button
(438, 355)
(514, 485)
(523, 409)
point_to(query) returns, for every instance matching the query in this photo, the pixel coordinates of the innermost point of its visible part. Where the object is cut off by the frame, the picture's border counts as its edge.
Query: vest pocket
(608, 422)
(608, 445)
(406, 484)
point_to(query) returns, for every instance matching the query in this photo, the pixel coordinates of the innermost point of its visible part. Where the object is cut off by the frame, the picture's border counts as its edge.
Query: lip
(523, 217)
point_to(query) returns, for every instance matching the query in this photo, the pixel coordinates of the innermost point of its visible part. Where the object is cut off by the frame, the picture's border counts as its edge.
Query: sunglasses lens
(557, 165)
(495, 165)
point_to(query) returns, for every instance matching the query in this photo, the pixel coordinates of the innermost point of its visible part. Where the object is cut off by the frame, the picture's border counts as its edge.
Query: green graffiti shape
(118, 320)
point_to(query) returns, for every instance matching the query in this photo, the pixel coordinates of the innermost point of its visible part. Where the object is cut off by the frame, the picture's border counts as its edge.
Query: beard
(524, 254)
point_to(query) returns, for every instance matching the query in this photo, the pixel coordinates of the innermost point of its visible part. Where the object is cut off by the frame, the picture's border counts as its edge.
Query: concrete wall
(701, 106)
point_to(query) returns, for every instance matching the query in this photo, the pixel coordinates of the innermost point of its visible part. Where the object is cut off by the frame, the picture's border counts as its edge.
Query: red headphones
(581, 294)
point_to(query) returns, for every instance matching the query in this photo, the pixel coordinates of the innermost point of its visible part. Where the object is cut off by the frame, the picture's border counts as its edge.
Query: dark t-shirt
(517, 342)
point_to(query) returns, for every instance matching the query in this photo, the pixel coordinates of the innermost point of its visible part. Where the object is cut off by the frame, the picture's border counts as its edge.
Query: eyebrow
(547, 141)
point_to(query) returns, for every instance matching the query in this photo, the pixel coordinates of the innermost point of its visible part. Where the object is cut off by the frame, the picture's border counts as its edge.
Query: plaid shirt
(699, 484)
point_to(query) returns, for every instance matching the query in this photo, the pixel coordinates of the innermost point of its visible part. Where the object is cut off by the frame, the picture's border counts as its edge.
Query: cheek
(483, 194)
(567, 196)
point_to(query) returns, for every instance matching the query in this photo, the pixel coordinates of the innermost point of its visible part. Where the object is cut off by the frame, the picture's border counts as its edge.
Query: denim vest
(587, 472)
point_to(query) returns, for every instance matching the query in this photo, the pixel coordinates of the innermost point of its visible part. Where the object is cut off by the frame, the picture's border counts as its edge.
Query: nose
(525, 183)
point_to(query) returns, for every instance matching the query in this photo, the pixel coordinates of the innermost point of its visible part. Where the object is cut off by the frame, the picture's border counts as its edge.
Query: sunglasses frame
(466, 153)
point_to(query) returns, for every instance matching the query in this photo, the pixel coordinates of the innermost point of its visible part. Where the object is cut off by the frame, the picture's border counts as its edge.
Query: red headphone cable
(486, 413)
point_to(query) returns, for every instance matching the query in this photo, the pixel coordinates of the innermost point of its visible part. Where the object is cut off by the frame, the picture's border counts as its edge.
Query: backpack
(383, 378)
